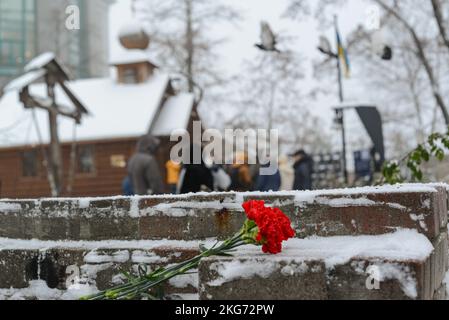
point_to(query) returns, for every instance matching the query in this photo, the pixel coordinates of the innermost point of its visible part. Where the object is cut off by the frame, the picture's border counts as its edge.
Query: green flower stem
(141, 285)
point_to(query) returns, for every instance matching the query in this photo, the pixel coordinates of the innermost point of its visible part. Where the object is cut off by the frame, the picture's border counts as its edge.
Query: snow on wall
(19, 244)
(334, 198)
(38, 289)
(403, 245)
(10, 207)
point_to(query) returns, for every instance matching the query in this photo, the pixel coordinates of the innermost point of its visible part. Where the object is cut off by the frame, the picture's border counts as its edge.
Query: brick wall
(40, 239)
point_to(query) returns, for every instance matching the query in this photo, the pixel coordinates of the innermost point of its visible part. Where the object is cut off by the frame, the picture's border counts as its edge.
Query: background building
(31, 27)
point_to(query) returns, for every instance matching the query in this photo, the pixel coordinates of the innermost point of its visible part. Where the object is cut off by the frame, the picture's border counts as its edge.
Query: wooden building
(139, 99)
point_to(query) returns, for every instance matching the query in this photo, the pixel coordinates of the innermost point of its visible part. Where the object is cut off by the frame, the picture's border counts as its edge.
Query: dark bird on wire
(387, 53)
(267, 38)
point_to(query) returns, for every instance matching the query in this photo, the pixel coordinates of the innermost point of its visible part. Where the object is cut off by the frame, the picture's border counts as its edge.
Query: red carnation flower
(274, 226)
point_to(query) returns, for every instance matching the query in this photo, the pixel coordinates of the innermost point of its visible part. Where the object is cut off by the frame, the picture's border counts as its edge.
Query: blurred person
(222, 181)
(127, 187)
(267, 183)
(195, 177)
(240, 174)
(173, 169)
(303, 167)
(143, 169)
(287, 173)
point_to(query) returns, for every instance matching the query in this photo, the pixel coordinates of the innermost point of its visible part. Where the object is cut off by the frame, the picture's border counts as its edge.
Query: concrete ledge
(96, 264)
(201, 216)
(383, 267)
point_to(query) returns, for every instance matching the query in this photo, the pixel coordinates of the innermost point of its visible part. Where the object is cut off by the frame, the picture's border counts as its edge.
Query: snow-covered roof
(24, 80)
(131, 56)
(40, 61)
(116, 111)
(131, 28)
(174, 115)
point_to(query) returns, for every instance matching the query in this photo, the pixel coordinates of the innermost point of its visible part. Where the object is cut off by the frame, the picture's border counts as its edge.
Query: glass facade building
(17, 35)
(31, 27)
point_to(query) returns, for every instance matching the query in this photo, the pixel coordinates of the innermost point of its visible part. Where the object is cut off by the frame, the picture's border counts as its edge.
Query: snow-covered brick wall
(401, 229)
(401, 265)
(373, 210)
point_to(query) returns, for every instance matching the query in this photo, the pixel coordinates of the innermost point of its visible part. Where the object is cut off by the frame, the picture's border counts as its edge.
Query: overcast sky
(241, 39)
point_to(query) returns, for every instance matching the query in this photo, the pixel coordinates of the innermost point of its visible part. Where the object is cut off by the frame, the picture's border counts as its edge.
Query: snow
(403, 245)
(181, 205)
(34, 244)
(185, 280)
(310, 196)
(387, 271)
(24, 80)
(236, 269)
(130, 28)
(186, 208)
(174, 115)
(84, 203)
(107, 101)
(344, 202)
(10, 207)
(146, 257)
(95, 257)
(130, 56)
(40, 61)
(38, 289)
(421, 219)
(78, 290)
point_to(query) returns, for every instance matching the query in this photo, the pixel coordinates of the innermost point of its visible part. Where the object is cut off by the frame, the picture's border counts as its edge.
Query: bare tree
(413, 86)
(402, 15)
(440, 6)
(180, 32)
(269, 93)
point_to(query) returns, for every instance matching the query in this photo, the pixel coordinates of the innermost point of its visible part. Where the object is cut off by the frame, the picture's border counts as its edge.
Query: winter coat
(173, 170)
(287, 175)
(269, 183)
(143, 168)
(241, 178)
(303, 174)
(194, 177)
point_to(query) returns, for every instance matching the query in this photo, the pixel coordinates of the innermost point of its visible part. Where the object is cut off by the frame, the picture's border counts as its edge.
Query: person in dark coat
(303, 167)
(195, 177)
(269, 182)
(143, 168)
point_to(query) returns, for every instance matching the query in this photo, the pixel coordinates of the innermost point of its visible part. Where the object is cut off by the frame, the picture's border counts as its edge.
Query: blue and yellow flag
(343, 56)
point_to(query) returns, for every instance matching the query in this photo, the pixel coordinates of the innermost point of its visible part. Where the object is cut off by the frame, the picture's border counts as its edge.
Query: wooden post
(55, 146)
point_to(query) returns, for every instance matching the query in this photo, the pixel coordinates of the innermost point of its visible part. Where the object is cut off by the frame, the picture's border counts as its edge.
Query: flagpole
(340, 81)
(340, 112)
